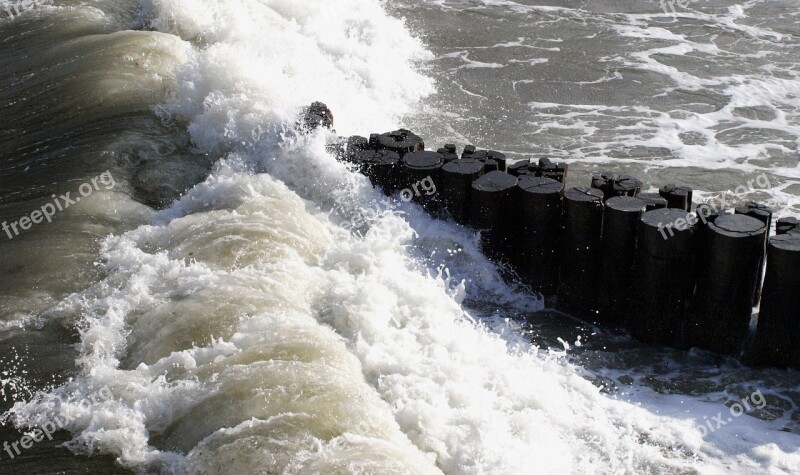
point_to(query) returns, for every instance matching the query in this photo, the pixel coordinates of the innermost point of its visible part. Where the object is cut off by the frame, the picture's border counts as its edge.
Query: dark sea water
(203, 308)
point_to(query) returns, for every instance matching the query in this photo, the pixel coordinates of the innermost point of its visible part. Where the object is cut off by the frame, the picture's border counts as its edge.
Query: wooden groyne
(608, 253)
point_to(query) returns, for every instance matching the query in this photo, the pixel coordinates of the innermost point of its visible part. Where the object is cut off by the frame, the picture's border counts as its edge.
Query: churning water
(206, 309)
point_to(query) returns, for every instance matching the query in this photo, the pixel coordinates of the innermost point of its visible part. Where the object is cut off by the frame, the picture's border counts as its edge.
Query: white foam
(245, 330)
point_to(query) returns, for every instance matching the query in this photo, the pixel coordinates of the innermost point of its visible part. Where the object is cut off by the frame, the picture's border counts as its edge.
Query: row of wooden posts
(610, 254)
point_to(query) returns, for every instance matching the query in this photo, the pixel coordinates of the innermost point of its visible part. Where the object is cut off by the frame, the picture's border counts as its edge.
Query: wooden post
(663, 276)
(448, 152)
(545, 168)
(723, 300)
(653, 200)
(787, 225)
(456, 179)
(491, 201)
(354, 144)
(520, 168)
(707, 213)
(539, 209)
(778, 335)
(497, 157)
(620, 224)
(419, 168)
(763, 214)
(555, 171)
(679, 197)
(381, 167)
(579, 272)
(614, 184)
(401, 141)
(469, 151)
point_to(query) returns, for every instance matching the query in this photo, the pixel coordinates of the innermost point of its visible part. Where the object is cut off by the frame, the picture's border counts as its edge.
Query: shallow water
(214, 290)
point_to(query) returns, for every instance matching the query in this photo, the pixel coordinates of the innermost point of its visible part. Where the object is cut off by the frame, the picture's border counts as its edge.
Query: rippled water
(215, 294)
